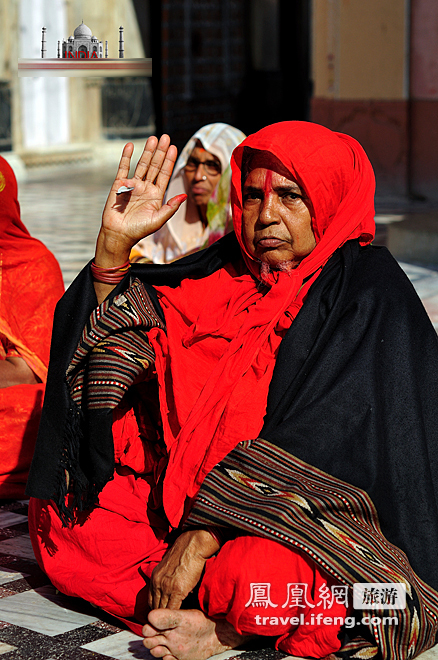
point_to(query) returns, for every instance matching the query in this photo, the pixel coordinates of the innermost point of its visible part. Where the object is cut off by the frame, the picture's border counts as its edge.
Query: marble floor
(39, 623)
(64, 210)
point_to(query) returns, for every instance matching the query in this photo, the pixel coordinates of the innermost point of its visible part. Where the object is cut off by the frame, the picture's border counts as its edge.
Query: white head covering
(220, 140)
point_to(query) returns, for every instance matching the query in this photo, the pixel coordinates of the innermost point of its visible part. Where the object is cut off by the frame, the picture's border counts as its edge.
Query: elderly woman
(203, 172)
(30, 286)
(255, 424)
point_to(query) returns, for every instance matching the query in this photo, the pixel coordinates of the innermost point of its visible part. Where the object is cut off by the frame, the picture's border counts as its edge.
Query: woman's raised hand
(129, 217)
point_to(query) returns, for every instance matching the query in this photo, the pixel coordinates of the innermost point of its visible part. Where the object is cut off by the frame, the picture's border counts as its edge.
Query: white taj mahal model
(82, 45)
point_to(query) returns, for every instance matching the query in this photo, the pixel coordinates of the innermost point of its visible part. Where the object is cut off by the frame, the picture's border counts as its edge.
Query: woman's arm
(131, 216)
(15, 371)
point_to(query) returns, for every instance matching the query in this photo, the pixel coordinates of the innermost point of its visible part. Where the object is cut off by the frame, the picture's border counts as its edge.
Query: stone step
(415, 239)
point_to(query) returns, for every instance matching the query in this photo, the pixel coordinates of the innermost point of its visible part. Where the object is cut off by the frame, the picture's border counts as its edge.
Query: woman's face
(201, 175)
(276, 222)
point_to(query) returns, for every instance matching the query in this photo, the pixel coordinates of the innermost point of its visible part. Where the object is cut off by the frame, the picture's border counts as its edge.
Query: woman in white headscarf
(203, 173)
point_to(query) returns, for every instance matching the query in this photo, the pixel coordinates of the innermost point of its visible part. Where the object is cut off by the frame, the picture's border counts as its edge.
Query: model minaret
(121, 44)
(106, 49)
(43, 43)
(59, 49)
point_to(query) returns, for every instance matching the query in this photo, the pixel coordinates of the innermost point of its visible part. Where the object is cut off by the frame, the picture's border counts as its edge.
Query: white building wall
(44, 102)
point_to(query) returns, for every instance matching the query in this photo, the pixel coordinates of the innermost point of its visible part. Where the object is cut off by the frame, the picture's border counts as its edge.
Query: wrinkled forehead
(253, 159)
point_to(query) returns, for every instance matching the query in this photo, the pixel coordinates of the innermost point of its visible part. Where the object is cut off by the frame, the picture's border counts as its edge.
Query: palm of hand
(135, 214)
(131, 216)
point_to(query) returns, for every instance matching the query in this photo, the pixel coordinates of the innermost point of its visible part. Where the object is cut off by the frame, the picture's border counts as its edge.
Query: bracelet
(112, 275)
(215, 534)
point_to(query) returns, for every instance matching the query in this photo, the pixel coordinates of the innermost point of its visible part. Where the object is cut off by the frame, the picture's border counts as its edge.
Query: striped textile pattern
(114, 349)
(265, 491)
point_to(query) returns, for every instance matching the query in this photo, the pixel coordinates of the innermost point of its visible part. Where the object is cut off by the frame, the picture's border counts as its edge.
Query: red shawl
(223, 332)
(30, 286)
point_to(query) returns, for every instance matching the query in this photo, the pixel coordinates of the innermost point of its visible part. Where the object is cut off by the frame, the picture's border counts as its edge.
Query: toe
(148, 630)
(156, 640)
(160, 652)
(164, 619)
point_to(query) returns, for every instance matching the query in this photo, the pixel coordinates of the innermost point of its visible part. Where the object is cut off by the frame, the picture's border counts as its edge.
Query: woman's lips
(269, 242)
(196, 190)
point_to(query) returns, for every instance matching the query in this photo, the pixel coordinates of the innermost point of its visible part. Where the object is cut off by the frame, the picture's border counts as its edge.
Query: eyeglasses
(212, 167)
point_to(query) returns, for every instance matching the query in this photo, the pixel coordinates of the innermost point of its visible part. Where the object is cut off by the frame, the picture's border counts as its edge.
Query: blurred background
(369, 69)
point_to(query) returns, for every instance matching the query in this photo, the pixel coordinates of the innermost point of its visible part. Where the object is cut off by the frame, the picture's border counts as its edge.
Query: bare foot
(188, 635)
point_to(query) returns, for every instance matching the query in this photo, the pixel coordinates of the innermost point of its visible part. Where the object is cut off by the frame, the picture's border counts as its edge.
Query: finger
(158, 158)
(174, 602)
(167, 168)
(175, 202)
(154, 593)
(169, 209)
(163, 601)
(159, 597)
(125, 161)
(146, 157)
(156, 598)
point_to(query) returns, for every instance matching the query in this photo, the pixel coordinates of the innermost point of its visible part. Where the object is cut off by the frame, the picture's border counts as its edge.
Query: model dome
(82, 31)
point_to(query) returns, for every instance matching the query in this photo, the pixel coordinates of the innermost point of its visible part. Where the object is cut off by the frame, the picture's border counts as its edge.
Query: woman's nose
(199, 172)
(269, 212)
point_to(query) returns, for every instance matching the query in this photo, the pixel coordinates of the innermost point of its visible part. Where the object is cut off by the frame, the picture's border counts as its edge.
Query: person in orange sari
(30, 286)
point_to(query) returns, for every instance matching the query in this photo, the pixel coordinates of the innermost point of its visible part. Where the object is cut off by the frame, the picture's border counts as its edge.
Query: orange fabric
(30, 286)
(223, 332)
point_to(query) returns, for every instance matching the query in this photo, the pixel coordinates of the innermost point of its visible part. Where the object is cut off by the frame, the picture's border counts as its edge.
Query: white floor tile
(43, 611)
(5, 648)
(7, 575)
(122, 646)
(431, 654)
(127, 646)
(8, 518)
(19, 546)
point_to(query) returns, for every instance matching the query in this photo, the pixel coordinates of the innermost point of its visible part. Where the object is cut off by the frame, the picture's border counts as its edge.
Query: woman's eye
(292, 196)
(249, 197)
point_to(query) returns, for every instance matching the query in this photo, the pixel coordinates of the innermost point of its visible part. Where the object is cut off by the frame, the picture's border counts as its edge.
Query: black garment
(353, 390)
(93, 461)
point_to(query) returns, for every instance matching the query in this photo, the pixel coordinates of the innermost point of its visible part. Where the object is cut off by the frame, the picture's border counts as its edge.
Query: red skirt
(257, 585)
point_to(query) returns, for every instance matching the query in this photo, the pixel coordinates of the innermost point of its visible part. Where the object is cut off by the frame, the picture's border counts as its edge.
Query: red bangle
(215, 534)
(112, 275)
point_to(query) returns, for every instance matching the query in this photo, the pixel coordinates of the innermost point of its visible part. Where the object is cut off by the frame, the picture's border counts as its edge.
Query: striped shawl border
(266, 491)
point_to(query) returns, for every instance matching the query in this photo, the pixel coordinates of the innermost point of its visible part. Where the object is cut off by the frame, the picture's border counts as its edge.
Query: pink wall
(424, 44)
(423, 110)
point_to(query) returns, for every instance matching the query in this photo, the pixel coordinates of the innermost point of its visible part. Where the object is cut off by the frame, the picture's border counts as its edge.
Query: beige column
(360, 64)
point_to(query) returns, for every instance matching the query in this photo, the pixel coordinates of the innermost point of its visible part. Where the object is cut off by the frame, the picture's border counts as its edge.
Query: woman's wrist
(204, 543)
(111, 251)
(112, 275)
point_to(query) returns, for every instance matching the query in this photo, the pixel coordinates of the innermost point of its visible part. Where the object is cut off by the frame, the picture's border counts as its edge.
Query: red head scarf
(30, 281)
(336, 175)
(223, 333)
